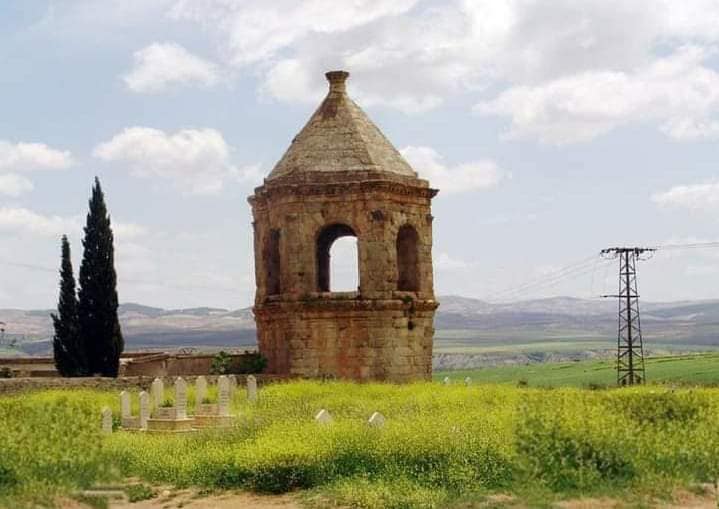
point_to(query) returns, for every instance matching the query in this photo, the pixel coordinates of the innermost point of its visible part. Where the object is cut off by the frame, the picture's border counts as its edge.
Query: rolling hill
(470, 332)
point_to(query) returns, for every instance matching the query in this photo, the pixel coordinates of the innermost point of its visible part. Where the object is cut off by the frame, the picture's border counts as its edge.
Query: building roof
(339, 137)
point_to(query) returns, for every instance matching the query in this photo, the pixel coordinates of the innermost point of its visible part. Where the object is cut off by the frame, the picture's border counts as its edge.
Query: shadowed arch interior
(325, 239)
(407, 259)
(272, 262)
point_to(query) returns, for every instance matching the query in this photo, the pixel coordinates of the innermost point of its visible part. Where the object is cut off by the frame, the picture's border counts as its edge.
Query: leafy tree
(100, 332)
(69, 355)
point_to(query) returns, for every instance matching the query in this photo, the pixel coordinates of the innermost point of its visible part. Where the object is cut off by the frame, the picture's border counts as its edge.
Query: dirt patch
(187, 499)
(704, 497)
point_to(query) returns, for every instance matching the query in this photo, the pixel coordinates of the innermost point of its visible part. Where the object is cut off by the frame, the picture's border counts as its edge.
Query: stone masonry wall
(377, 332)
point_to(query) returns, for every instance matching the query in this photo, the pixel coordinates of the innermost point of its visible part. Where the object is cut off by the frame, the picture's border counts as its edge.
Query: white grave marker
(376, 420)
(125, 410)
(144, 409)
(107, 420)
(251, 388)
(158, 392)
(181, 398)
(223, 396)
(233, 385)
(200, 390)
(323, 417)
(468, 381)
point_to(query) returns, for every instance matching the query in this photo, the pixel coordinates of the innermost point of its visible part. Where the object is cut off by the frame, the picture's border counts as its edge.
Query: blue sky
(552, 129)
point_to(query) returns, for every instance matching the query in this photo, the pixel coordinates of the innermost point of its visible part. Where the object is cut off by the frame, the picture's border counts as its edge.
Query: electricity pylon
(630, 350)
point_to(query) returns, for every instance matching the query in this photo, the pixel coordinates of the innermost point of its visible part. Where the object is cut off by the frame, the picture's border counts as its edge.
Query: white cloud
(678, 91)
(32, 156)
(256, 30)
(465, 177)
(569, 70)
(694, 197)
(196, 160)
(23, 221)
(14, 185)
(160, 65)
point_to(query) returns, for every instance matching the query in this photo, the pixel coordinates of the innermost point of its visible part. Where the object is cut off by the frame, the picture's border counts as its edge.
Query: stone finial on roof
(337, 81)
(340, 138)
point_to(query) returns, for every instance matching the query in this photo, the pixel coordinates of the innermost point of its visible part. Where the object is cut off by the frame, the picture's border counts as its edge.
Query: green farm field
(486, 445)
(700, 369)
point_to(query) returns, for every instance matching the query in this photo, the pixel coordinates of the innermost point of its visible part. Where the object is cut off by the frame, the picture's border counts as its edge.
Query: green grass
(442, 446)
(701, 369)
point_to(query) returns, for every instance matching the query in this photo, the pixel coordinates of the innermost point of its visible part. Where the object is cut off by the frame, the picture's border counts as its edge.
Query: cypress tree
(69, 355)
(100, 331)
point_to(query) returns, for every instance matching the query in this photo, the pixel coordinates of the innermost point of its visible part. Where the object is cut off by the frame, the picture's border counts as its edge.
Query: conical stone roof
(339, 137)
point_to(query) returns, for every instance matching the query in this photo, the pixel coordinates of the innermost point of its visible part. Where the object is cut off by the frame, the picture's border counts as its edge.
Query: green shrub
(250, 363)
(220, 363)
(572, 444)
(139, 492)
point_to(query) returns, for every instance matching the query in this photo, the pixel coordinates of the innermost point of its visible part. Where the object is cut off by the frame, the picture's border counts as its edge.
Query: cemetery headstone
(144, 409)
(125, 411)
(223, 396)
(376, 420)
(107, 420)
(181, 398)
(251, 388)
(200, 390)
(158, 392)
(233, 385)
(323, 417)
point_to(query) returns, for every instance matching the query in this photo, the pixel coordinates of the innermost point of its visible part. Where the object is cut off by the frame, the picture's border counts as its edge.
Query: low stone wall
(17, 385)
(166, 364)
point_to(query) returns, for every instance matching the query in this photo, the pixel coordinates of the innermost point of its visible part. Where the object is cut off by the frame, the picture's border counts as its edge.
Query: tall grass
(439, 442)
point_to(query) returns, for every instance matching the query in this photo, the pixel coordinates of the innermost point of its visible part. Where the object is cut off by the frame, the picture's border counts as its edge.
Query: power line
(572, 271)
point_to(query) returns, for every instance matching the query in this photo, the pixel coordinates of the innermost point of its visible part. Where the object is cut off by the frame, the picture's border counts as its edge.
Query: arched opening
(271, 255)
(407, 259)
(337, 262)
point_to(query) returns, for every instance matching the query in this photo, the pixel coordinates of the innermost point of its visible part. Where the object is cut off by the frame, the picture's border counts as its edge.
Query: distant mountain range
(558, 326)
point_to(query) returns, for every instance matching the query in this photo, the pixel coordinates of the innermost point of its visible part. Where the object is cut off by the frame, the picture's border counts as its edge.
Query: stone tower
(341, 177)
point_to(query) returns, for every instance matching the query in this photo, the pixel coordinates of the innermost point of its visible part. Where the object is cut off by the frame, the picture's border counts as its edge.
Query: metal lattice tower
(630, 350)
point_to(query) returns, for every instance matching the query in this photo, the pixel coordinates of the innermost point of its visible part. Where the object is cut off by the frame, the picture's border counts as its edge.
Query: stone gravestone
(200, 390)
(446, 380)
(158, 392)
(144, 409)
(468, 381)
(107, 420)
(223, 396)
(181, 398)
(233, 385)
(251, 388)
(125, 411)
(323, 417)
(376, 420)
